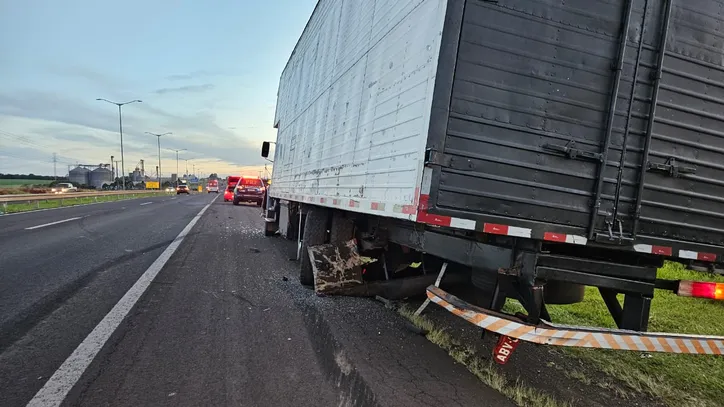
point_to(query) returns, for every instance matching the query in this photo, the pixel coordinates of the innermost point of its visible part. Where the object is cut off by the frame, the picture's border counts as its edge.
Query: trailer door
(682, 192)
(546, 113)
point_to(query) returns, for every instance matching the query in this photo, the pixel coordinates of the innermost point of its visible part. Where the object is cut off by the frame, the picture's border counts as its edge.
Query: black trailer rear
(567, 115)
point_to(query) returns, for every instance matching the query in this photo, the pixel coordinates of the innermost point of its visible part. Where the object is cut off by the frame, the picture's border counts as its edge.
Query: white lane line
(57, 387)
(53, 223)
(146, 203)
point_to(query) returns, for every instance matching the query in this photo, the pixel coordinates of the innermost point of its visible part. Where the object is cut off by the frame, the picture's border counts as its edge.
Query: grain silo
(100, 176)
(79, 176)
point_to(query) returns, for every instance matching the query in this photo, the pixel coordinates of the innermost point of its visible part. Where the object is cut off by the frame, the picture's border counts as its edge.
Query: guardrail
(31, 202)
(68, 195)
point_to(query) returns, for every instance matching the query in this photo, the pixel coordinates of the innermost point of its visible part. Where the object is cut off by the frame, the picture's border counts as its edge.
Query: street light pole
(120, 128)
(177, 151)
(159, 155)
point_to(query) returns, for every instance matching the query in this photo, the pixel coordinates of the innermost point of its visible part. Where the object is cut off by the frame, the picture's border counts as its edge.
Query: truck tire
(342, 228)
(315, 233)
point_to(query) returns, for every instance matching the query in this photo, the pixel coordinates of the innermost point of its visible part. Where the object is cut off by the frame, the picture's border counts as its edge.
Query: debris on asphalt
(338, 271)
(336, 267)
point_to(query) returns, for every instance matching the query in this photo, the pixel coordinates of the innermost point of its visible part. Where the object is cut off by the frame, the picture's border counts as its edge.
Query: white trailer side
(354, 106)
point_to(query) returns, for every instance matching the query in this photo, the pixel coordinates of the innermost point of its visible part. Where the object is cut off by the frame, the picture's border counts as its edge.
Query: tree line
(28, 176)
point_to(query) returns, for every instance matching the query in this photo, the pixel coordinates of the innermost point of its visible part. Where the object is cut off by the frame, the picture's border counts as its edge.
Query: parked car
(64, 187)
(249, 189)
(183, 189)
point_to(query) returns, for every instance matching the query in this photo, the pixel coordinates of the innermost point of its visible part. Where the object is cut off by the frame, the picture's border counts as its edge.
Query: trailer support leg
(614, 307)
(636, 312)
(299, 238)
(437, 284)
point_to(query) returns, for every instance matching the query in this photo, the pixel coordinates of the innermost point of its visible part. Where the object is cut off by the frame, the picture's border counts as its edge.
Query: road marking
(146, 203)
(55, 390)
(53, 223)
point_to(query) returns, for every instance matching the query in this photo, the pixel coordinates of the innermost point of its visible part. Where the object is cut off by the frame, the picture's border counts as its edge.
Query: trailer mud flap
(576, 336)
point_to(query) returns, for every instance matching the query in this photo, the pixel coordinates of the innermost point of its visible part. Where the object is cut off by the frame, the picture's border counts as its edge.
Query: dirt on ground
(546, 369)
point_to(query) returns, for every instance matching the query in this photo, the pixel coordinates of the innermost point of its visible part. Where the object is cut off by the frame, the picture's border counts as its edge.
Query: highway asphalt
(224, 323)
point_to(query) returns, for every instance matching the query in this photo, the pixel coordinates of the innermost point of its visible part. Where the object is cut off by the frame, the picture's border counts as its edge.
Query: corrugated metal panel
(354, 102)
(546, 126)
(532, 75)
(689, 129)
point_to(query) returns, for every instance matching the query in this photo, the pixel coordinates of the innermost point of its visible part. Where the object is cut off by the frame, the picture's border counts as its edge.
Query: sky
(206, 71)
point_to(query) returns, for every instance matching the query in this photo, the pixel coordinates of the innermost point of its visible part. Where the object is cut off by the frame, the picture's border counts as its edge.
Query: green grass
(13, 207)
(486, 371)
(678, 380)
(12, 183)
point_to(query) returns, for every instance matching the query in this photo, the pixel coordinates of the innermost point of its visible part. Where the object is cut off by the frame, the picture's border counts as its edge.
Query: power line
(25, 140)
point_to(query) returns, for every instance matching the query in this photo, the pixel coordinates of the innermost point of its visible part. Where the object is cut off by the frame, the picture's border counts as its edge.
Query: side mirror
(265, 149)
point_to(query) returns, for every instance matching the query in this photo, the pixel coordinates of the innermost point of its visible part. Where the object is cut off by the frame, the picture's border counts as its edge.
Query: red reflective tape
(335, 202)
(408, 209)
(424, 202)
(496, 229)
(375, 206)
(554, 237)
(424, 217)
(322, 200)
(662, 250)
(438, 220)
(706, 256)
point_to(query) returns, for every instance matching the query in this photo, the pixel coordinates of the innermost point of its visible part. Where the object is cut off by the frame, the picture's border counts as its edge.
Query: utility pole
(55, 166)
(118, 173)
(113, 170)
(120, 127)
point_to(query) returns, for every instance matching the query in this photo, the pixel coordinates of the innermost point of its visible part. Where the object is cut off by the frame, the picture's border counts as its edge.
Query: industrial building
(91, 175)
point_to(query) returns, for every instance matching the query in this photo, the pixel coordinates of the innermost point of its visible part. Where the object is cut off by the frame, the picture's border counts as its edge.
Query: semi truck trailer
(541, 145)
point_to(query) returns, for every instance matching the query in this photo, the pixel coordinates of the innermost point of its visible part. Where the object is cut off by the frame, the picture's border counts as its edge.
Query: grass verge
(486, 371)
(15, 207)
(677, 380)
(13, 183)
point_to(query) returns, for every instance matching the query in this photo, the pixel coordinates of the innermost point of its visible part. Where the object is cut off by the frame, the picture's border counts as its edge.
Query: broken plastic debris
(415, 264)
(366, 260)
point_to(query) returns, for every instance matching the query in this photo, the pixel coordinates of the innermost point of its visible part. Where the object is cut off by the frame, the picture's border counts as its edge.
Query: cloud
(186, 89)
(188, 76)
(87, 131)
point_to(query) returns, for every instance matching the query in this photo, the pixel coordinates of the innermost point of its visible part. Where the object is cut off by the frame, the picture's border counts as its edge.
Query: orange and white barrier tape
(574, 336)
